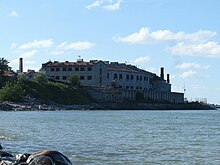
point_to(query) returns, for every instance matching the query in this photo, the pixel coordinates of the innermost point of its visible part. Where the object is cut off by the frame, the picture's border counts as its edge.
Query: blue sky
(181, 35)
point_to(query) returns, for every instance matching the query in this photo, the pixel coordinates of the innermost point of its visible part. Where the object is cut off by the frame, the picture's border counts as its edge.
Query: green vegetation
(74, 81)
(56, 92)
(41, 77)
(12, 91)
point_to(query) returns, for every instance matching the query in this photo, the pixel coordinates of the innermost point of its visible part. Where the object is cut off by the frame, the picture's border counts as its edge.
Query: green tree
(12, 91)
(4, 66)
(74, 81)
(41, 77)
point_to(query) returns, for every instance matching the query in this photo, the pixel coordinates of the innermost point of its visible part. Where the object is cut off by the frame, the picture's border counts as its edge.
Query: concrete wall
(120, 95)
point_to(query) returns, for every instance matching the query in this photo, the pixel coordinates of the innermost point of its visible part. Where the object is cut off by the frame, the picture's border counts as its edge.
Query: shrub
(12, 91)
(41, 78)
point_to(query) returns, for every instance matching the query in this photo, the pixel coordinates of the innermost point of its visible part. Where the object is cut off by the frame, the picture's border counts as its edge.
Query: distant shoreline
(11, 106)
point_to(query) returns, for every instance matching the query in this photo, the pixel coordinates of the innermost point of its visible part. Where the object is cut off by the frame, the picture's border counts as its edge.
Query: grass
(56, 92)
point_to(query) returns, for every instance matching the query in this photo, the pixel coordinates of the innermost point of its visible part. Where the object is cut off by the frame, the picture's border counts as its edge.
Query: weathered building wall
(120, 95)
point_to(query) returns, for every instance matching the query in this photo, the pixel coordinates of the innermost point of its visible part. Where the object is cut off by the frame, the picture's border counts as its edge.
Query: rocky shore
(44, 157)
(11, 106)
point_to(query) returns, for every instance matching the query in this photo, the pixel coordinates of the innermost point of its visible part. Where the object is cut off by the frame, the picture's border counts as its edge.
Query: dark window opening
(64, 78)
(89, 69)
(69, 69)
(76, 69)
(82, 77)
(82, 69)
(57, 69)
(115, 76)
(64, 69)
(120, 77)
(57, 77)
(51, 69)
(89, 77)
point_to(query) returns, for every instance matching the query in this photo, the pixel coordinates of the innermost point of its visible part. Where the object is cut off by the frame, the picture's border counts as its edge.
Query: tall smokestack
(20, 65)
(168, 78)
(162, 73)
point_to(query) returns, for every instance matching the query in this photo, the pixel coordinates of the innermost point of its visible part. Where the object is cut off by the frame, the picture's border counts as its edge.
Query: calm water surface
(116, 137)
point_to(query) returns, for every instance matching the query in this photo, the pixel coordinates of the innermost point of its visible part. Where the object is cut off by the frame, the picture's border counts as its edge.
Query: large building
(113, 75)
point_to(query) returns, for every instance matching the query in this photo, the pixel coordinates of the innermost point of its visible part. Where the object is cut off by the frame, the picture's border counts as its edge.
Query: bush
(41, 78)
(74, 81)
(12, 91)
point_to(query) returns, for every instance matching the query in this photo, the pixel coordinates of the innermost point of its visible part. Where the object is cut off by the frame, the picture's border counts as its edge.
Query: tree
(4, 66)
(12, 91)
(41, 77)
(74, 81)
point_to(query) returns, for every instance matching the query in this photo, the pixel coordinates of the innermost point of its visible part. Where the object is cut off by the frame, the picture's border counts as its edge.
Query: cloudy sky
(181, 35)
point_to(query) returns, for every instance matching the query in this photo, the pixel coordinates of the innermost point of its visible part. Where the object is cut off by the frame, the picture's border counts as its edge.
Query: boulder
(57, 157)
(42, 160)
(5, 154)
(22, 157)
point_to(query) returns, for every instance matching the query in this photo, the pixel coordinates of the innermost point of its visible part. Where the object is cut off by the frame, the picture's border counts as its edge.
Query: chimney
(168, 78)
(20, 65)
(162, 73)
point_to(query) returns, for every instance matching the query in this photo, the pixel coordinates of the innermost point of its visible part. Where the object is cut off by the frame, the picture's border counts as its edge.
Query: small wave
(7, 138)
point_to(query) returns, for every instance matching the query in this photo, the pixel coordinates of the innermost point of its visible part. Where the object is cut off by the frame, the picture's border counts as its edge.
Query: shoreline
(12, 106)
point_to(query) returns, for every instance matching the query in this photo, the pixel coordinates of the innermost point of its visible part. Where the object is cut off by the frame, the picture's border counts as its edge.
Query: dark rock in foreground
(44, 157)
(55, 156)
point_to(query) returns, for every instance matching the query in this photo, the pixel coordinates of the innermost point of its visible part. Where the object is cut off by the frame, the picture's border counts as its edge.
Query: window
(137, 78)
(82, 69)
(127, 77)
(69, 69)
(120, 76)
(76, 69)
(132, 77)
(82, 77)
(108, 76)
(64, 77)
(100, 71)
(140, 78)
(64, 69)
(57, 77)
(52, 69)
(127, 87)
(136, 87)
(57, 69)
(115, 76)
(89, 77)
(131, 87)
(89, 69)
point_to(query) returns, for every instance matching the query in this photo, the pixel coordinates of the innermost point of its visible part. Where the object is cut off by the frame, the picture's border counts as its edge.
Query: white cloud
(188, 74)
(95, 4)
(37, 44)
(142, 59)
(188, 65)
(76, 45)
(14, 14)
(144, 36)
(105, 4)
(56, 52)
(208, 49)
(28, 54)
(113, 7)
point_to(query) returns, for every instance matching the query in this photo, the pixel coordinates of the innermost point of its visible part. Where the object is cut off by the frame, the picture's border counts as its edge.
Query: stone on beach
(5, 154)
(55, 156)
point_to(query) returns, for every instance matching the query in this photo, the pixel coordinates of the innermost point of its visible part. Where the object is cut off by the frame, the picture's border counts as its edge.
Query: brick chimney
(20, 65)
(162, 73)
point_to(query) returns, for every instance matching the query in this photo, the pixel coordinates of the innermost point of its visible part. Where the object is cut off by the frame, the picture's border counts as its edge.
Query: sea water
(116, 137)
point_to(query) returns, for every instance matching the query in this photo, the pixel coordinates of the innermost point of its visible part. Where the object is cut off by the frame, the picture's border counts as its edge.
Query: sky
(183, 36)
